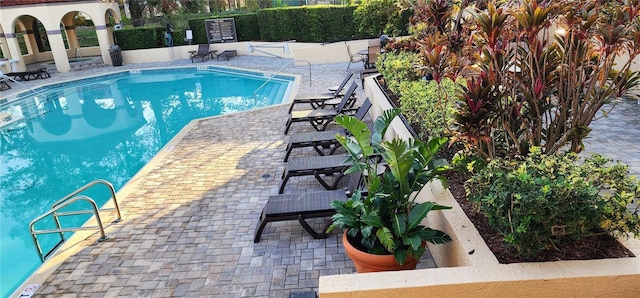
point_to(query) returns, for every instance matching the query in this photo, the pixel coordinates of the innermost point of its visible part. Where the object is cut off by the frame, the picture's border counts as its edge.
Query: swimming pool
(105, 127)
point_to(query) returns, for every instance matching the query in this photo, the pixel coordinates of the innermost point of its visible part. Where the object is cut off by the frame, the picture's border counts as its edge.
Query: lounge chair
(320, 140)
(40, 73)
(4, 85)
(316, 100)
(301, 206)
(203, 52)
(321, 167)
(226, 55)
(320, 118)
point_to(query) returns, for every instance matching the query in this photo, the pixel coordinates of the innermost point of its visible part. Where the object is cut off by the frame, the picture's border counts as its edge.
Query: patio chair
(317, 100)
(40, 73)
(301, 206)
(373, 51)
(320, 118)
(354, 58)
(203, 52)
(321, 140)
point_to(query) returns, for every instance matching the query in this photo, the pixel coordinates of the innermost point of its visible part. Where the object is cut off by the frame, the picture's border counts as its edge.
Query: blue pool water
(106, 127)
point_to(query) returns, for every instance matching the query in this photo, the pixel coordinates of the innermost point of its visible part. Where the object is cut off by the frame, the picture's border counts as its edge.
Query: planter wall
(467, 268)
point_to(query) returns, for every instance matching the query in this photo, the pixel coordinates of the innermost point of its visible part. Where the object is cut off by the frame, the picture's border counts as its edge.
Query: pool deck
(190, 214)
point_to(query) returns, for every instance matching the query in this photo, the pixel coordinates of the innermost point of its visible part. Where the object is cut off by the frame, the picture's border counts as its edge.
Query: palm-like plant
(386, 219)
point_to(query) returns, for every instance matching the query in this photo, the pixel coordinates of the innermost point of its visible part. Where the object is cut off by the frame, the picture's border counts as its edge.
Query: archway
(80, 37)
(51, 32)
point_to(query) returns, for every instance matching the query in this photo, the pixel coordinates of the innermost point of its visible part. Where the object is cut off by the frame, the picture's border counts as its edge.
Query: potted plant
(386, 220)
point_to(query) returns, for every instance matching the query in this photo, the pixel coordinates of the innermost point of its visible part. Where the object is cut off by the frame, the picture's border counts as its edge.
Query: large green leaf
(399, 223)
(373, 220)
(418, 213)
(434, 236)
(359, 132)
(399, 160)
(401, 256)
(381, 124)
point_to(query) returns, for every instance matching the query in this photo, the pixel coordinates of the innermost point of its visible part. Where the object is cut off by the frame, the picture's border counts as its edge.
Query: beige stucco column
(58, 50)
(13, 51)
(72, 38)
(105, 41)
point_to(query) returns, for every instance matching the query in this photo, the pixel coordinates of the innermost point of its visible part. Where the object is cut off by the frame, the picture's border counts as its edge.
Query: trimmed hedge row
(145, 38)
(321, 23)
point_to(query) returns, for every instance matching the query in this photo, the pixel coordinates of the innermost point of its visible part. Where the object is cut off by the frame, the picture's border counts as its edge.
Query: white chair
(353, 58)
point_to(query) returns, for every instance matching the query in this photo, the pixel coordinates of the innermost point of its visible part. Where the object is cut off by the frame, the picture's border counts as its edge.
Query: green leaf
(401, 256)
(418, 213)
(359, 132)
(399, 223)
(435, 236)
(381, 124)
(373, 220)
(386, 238)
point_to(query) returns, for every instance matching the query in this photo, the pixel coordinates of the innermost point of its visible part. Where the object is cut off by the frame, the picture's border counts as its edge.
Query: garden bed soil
(595, 247)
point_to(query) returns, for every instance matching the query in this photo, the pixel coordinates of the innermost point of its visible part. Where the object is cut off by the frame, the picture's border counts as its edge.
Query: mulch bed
(596, 247)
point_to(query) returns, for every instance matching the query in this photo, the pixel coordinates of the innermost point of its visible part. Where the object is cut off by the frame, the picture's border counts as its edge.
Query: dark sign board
(221, 30)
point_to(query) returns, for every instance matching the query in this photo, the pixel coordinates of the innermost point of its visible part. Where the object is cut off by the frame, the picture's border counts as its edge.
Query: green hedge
(145, 38)
(246, 27)
(321, 23)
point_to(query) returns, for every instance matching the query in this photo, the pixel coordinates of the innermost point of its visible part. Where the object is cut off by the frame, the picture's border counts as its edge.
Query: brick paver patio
(189, 219)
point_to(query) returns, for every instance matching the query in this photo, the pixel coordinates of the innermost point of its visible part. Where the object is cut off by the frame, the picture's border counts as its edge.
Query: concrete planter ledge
(469, 269)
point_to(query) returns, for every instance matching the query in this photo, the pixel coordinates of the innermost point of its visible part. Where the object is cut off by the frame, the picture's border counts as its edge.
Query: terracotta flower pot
(366, 262)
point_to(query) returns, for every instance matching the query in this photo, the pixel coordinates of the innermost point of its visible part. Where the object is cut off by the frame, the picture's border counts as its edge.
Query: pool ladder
(66, 201)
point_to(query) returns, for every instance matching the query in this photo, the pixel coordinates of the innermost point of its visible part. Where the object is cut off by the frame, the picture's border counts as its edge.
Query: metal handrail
(87, 186)
(61, 230)
(279, 71)
(71, 198)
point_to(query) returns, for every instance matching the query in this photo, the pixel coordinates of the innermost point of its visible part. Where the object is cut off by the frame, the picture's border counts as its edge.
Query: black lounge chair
(320, 118)
(203, 52)
(40, 73)
(321, 167)
(301, 206)
(4, 85)
(320, 140)
(227, 55)
(317, 100)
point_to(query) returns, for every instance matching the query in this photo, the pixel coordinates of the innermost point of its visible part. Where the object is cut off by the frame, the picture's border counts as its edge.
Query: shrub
(376, 17)
(426, 108)
(538, 202)
(139, 38)
(397, 68)
(320, 23)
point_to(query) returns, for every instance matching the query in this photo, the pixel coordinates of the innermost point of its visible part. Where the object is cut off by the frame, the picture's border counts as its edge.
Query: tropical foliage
(386, 219)
(537, 74)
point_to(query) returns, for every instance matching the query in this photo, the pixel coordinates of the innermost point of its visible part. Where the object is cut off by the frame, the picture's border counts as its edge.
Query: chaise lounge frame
(320, 140)
(302, 206)
(320, 118)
